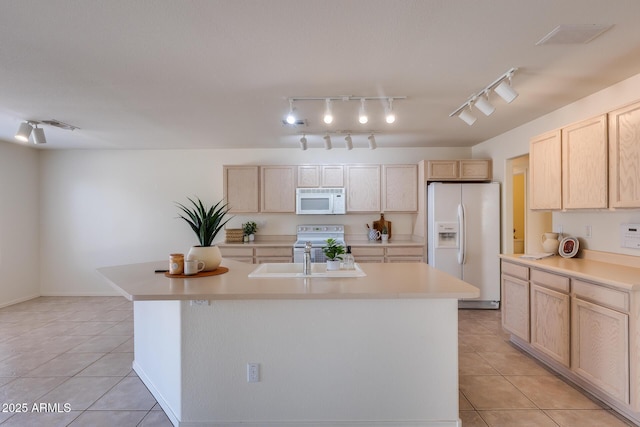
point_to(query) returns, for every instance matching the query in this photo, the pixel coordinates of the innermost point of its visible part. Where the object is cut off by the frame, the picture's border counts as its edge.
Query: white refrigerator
(463, 229)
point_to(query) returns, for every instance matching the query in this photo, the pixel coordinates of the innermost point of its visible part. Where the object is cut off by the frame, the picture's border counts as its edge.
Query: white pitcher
(550, 243)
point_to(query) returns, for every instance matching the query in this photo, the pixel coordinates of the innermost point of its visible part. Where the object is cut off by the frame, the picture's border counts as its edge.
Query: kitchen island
(374, 350)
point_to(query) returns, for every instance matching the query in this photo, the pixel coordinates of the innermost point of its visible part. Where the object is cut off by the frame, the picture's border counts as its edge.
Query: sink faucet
(306, 260)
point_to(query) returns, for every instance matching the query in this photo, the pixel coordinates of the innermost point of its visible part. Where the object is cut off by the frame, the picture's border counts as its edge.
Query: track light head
(328, 116)
(505, 91)
(348, 142)
(482, 103)
(390, 116)
(303, 142)
(24, 131)
(291, 118)
(38, 136)
(327, 142)
(372, 142)
(362, 116)
(466, 116)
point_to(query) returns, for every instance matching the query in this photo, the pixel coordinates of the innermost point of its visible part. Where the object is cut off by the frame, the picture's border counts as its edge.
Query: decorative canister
(550, 243)
(176, 263)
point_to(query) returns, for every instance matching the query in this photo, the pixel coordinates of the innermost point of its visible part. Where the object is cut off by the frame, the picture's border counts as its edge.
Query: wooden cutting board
(380, 224)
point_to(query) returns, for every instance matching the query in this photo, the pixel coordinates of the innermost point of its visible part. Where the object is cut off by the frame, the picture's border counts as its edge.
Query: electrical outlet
(253, 372)
(587, 230)
(199, 302)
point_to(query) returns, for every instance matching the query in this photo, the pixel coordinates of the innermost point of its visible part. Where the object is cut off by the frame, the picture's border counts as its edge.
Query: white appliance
(317, 235)
(463, 229)
(320, 201)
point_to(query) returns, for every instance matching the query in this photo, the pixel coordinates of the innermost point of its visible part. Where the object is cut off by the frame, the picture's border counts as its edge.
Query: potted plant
(206, 223)
(385, 234)
(249, 229)
(333, 251)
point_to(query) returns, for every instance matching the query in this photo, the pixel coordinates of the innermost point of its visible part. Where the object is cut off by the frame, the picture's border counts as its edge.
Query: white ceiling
(217, 74)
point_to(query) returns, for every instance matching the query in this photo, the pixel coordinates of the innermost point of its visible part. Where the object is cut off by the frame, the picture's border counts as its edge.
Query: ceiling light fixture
(372, 142)
(362, 117)
(38, 135)
(24, 131)
(389, 115)
(327, 142)
(291, 118)
(483, 104)
(303, 142)
(348, 142)
(481, 99)
(328, 116)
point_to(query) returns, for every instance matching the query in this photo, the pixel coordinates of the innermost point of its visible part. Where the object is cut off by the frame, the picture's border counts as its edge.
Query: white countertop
(624, 277)
(138, 282)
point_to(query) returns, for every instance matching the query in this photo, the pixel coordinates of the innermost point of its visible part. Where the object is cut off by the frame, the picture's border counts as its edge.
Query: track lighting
(483, 104)
(291, 118)
(328, 116)
(362, 117)
(481, 99)
(38, 135)
(348, 142)
(24, 131)
(390, 117)
(327, 142)
(372, 142)
(303, 142)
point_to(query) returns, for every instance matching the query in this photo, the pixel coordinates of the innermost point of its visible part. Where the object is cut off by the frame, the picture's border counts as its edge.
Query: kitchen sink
(294, 270)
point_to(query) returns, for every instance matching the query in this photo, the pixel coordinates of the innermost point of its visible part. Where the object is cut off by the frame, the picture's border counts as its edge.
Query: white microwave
(320, 201)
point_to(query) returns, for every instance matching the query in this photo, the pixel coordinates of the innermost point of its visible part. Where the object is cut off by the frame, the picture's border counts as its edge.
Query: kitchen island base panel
(322, 362)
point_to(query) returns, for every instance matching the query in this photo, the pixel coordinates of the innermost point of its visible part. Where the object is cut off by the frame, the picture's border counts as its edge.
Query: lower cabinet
(375, 253)
(550, 321)
(257, 254)
(515, 306)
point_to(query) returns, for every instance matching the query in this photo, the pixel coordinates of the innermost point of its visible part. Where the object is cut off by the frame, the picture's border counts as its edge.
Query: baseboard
(158, 396)
(18, 301)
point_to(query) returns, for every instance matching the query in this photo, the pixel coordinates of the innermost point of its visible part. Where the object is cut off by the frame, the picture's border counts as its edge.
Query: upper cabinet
(363, 188)
(241, 188)
(459, 170)
(545, 169)
(624, 157)
(321, 176)
(278, 189)
(584, 164)
(400, 188)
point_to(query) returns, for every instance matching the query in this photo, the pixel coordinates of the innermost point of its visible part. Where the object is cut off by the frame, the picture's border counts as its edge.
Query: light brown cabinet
(545, 171)
(459, 170)
(399, 188)
(257, 254)
(585, 165)
(363, 188)
(624, 157)
(241, 188)
(278, 189)
(384, 253)
(515, 300)
(321, 176)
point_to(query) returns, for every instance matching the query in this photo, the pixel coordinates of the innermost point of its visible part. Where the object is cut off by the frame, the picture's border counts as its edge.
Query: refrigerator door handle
(462, 256)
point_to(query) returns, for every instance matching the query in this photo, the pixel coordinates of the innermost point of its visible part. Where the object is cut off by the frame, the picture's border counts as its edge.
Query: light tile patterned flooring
(78, 351)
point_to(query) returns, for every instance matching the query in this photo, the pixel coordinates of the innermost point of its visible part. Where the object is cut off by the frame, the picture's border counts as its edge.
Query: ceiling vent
(573, 34)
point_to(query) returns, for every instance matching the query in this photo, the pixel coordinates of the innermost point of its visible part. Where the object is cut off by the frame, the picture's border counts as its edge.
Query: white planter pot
(333, 265)
(209, 254)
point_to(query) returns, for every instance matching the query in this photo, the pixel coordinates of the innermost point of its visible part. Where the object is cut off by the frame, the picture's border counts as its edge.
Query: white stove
(317, 234)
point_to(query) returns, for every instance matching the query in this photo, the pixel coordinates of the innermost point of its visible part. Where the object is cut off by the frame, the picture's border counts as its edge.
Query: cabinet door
(585, 165)
(241, 188)
(600, 347)
(278, 190)
(545, 170)
(515, 306)
(363, 188)
(400, 188)
(624, 157)
(309, 176)
(550, 323)
(442, 170)
(332, 176)
(475, 170)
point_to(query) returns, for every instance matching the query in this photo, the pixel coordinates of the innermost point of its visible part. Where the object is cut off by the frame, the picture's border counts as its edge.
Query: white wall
(605, 224)
(104, 208)
(19, 224)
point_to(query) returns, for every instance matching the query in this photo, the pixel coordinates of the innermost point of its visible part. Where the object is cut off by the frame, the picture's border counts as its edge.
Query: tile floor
(78, 351)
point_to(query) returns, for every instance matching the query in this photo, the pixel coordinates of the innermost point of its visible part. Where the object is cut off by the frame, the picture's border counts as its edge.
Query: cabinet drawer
(616, 300)
(406, 251)
(367, 251)
(274, 251)
(549, 280)
(515, 270)
(236, 252)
